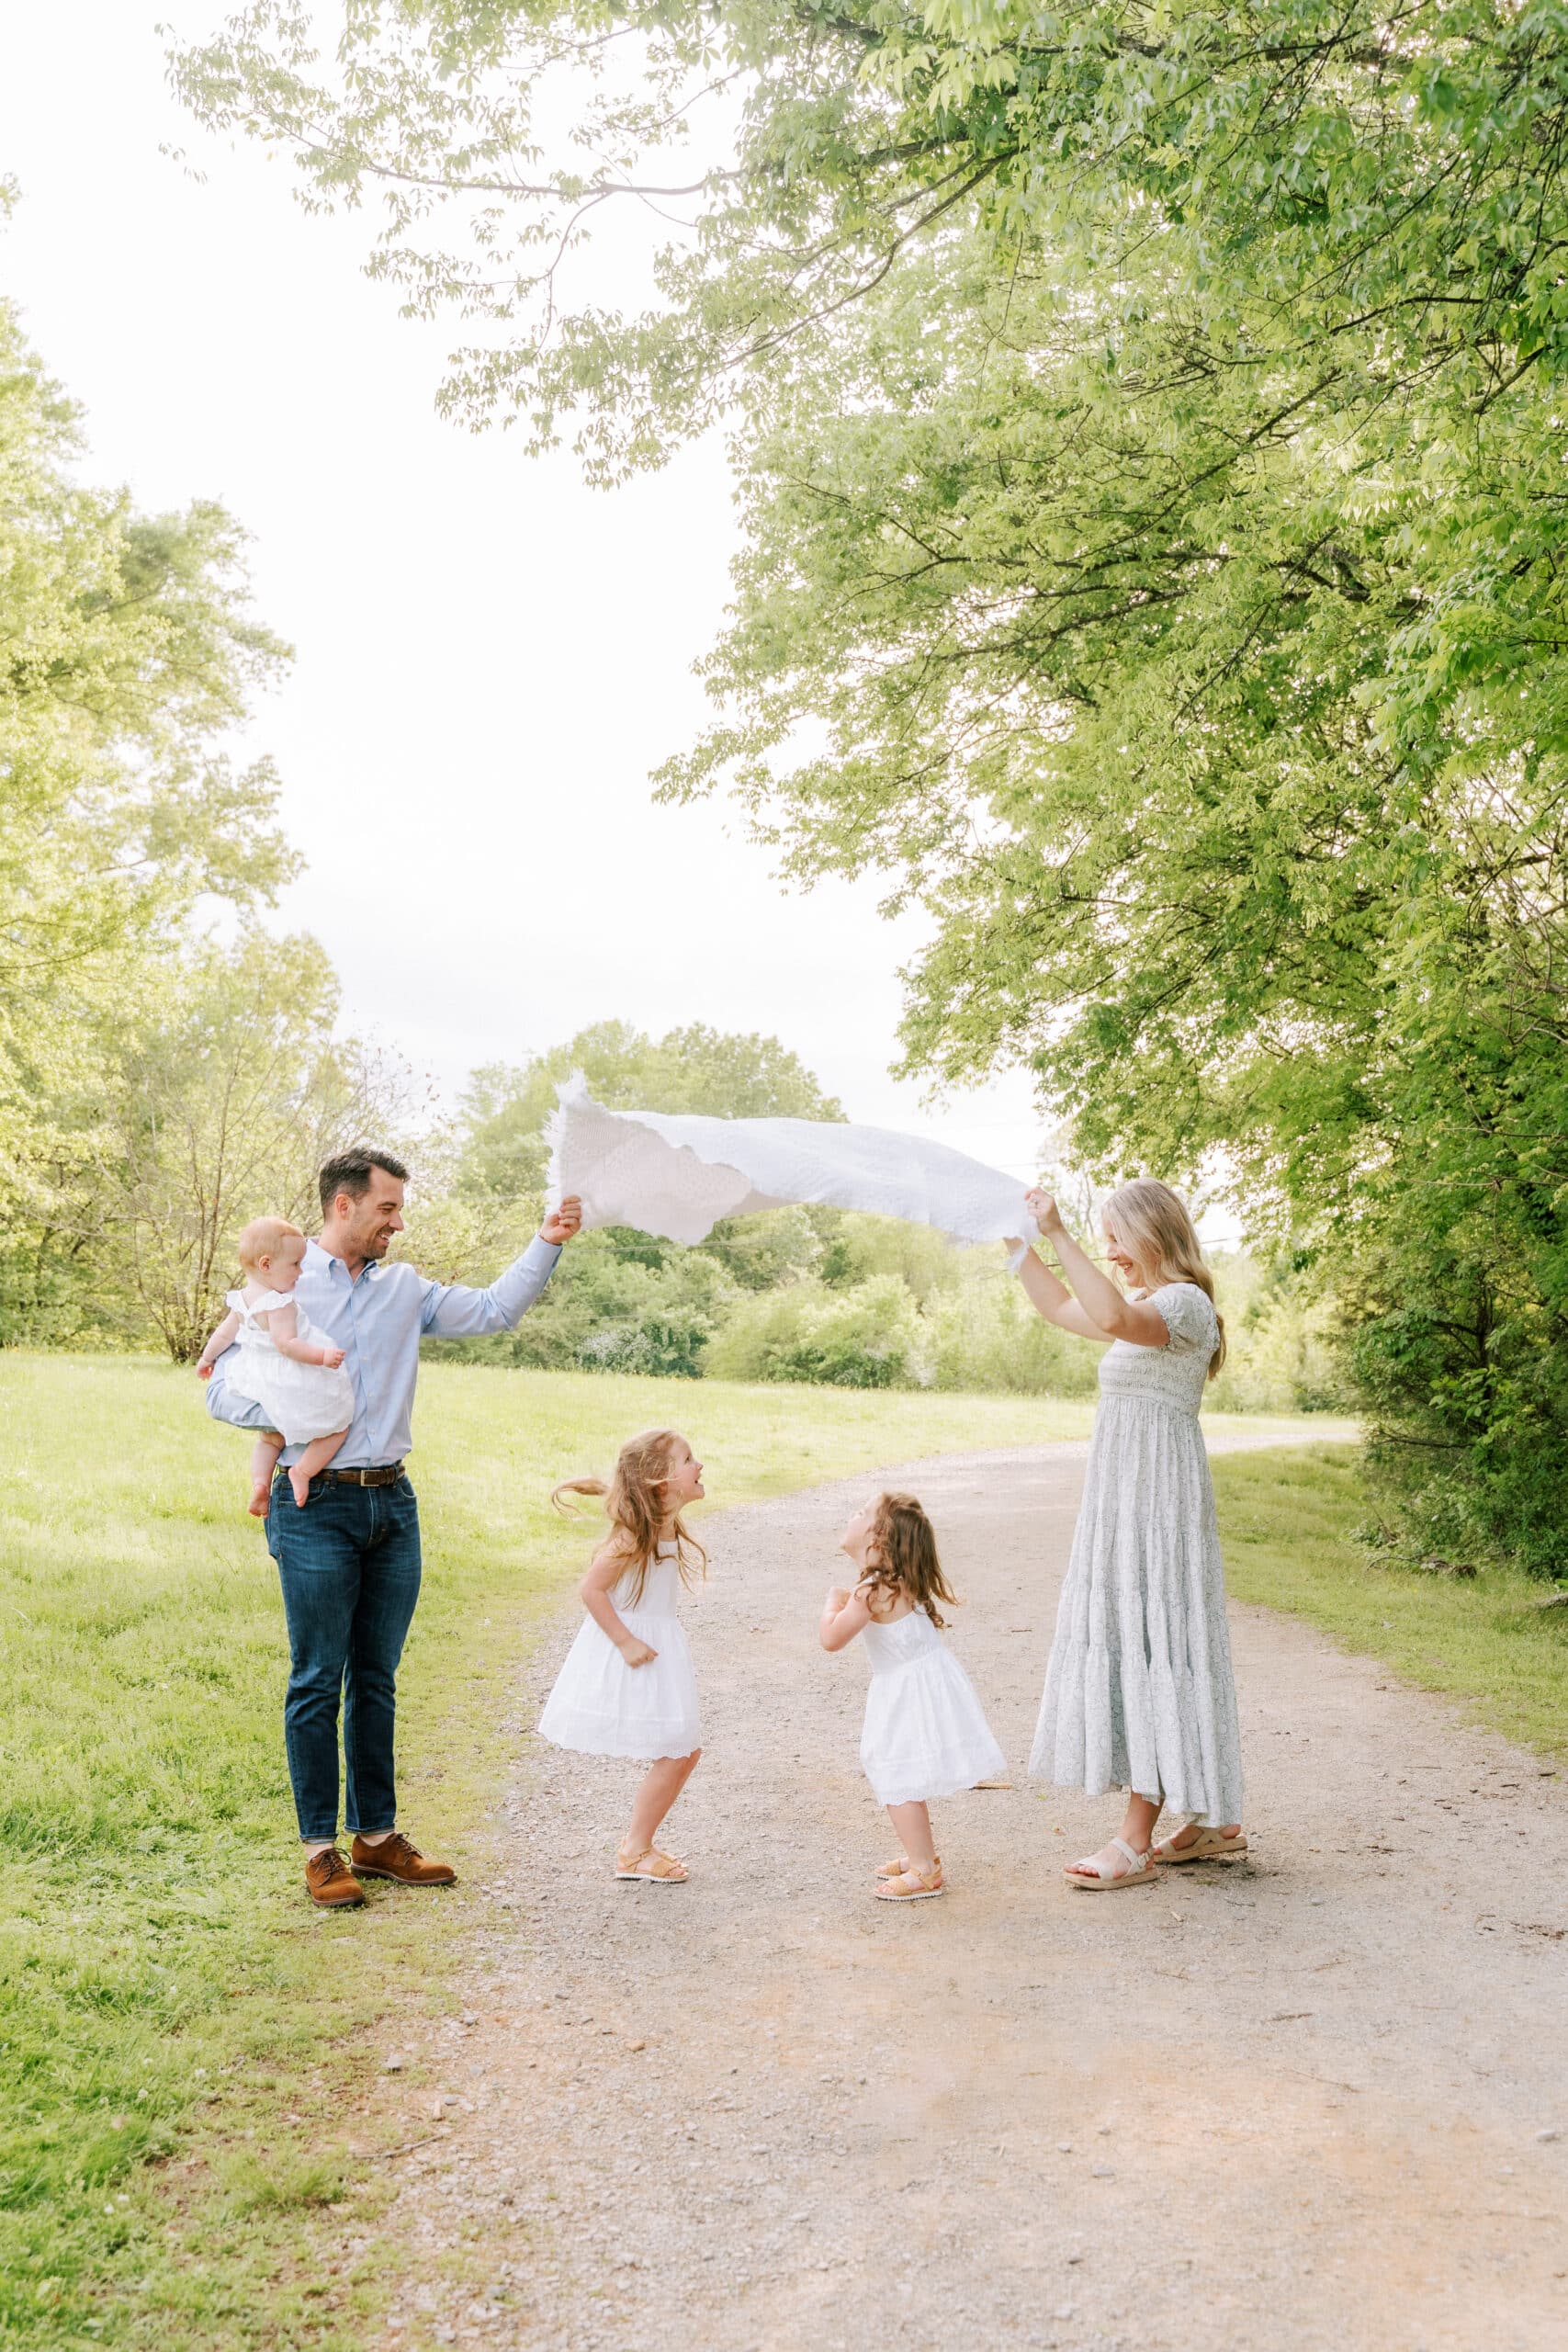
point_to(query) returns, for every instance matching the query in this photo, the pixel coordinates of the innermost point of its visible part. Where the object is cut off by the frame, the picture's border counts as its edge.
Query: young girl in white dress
(1139, 1693)
(925, 1733)
(627, 1687)
(285, 1365)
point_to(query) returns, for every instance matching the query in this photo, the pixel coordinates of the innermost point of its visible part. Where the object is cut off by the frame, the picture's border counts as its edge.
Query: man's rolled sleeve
(453, 1311)
(243, 1412)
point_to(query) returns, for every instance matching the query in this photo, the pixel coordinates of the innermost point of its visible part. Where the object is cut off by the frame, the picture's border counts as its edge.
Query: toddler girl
(285, 1366)
(627, 1687)
(925, 1733)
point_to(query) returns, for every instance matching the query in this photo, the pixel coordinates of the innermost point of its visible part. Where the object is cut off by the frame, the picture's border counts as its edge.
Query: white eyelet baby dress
(601, 1706)
(926, 1733)
(303, 1400)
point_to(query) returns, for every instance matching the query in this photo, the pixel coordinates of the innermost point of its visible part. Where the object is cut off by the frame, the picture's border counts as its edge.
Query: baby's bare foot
(300, 1488)
(261, 1496)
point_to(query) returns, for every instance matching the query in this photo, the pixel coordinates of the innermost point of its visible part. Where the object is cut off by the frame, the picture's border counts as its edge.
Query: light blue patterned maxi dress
(1139, 1692)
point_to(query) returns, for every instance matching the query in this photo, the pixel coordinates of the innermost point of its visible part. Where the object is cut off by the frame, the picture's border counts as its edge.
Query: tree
(232, 1089)
(127, 651)
(623, 1300)
(1149, 432)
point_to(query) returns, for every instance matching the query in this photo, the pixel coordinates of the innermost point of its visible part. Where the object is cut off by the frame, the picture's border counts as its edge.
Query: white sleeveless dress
(302, 1401)
(926, 1733)
(1139, 1692)
(601, 1706)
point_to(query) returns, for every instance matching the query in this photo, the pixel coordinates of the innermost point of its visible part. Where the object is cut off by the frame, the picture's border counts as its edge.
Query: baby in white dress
(926, 1735)
(627, 1687)
(285, 1365)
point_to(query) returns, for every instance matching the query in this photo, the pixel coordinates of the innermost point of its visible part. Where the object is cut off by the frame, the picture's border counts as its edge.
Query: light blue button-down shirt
(377, 1317)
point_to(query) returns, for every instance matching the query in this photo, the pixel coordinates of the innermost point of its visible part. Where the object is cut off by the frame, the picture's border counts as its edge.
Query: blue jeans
(349, 1566)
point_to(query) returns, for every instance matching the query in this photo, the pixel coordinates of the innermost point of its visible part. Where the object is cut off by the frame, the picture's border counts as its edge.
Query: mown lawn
(1497, 1643)
(174, 2021)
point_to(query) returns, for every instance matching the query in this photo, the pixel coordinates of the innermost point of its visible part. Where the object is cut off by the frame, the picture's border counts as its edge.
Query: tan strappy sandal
(1094, 1878)
(1207, 1847)
(657, 1868)
(913, 1885)
(897, 1868)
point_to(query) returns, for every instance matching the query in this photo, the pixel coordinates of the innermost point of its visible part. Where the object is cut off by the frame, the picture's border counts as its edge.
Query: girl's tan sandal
(1207, 1847)
(1095, 1879)
(897, 1868)
(658, 1870)
(913, 1885)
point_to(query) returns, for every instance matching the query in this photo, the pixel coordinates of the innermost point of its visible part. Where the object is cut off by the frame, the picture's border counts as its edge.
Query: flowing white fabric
(675, 1175)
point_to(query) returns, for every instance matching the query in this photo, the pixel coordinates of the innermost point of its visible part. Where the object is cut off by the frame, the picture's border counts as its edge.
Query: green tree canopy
(1149, 422)
(127, 652)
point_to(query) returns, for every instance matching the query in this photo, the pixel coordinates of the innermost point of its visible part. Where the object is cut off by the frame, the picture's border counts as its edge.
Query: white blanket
(676, 1175)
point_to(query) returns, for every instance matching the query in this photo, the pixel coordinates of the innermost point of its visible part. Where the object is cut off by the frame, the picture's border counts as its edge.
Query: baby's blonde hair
(261, 1237)
(635, 1508)
(1153, 1226)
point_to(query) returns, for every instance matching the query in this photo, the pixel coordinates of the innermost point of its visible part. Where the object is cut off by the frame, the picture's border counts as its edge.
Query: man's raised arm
(453, 1311)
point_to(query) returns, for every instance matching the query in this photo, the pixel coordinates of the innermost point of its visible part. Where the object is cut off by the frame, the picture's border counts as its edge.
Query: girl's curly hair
(634, 1505)
(901, 1556)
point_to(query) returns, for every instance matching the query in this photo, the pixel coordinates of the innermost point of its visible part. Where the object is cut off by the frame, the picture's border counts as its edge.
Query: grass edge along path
(181, 2161)
(1496, 1644)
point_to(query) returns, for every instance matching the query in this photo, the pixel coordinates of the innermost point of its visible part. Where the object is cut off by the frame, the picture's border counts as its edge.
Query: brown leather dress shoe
(397, 1857)
(329, 1882)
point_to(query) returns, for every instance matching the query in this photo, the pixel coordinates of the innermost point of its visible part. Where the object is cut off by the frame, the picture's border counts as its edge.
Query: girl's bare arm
(224, 1337)
(594, 1591)
(845, 1614)
(284, 1324)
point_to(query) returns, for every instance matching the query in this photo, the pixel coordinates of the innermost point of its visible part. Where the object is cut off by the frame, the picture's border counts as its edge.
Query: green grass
(1494, 1643)
(176, 2025)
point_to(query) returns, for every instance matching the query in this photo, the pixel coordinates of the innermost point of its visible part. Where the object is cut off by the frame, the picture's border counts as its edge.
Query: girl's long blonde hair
(1152, 1225)
(634, 1505)
(901, 1556)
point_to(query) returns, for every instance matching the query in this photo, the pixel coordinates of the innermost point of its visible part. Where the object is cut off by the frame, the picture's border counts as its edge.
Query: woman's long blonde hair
(1151, 1223)
(634, 1505)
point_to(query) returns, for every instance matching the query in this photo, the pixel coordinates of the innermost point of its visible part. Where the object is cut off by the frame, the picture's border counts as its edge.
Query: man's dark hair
(350, 1173)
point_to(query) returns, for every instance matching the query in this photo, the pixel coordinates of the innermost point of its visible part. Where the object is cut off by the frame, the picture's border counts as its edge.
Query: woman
(1139, 1693)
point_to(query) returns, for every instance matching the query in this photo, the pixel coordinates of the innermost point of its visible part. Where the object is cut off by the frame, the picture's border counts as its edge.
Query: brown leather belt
(381, 1474)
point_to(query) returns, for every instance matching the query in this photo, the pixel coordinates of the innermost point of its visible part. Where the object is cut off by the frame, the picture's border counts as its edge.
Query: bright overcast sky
(489, 657)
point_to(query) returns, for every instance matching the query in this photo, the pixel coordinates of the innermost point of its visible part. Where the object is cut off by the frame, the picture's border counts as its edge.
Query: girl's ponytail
(634, 1505)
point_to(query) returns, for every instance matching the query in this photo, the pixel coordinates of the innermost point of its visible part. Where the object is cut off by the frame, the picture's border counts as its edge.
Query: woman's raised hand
(1043, 1208)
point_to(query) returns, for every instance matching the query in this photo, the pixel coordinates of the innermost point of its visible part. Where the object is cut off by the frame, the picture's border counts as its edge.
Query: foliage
(127, 651)
(866, 1335)
(621, 1300)
(1149, 432)
(228, 1096)
(127, 654)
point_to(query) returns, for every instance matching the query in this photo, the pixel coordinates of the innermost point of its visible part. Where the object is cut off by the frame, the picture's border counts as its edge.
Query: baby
(285, 1366)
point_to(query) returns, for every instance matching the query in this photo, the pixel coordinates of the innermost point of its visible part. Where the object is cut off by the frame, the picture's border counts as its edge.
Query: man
(349, 1562)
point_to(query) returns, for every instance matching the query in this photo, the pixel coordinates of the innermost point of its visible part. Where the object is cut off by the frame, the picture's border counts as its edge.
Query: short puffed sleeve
(1188, 1316)
(267, 1302)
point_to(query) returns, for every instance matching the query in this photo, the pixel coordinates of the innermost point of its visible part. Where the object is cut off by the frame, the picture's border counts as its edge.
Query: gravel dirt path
(1314, 2099)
